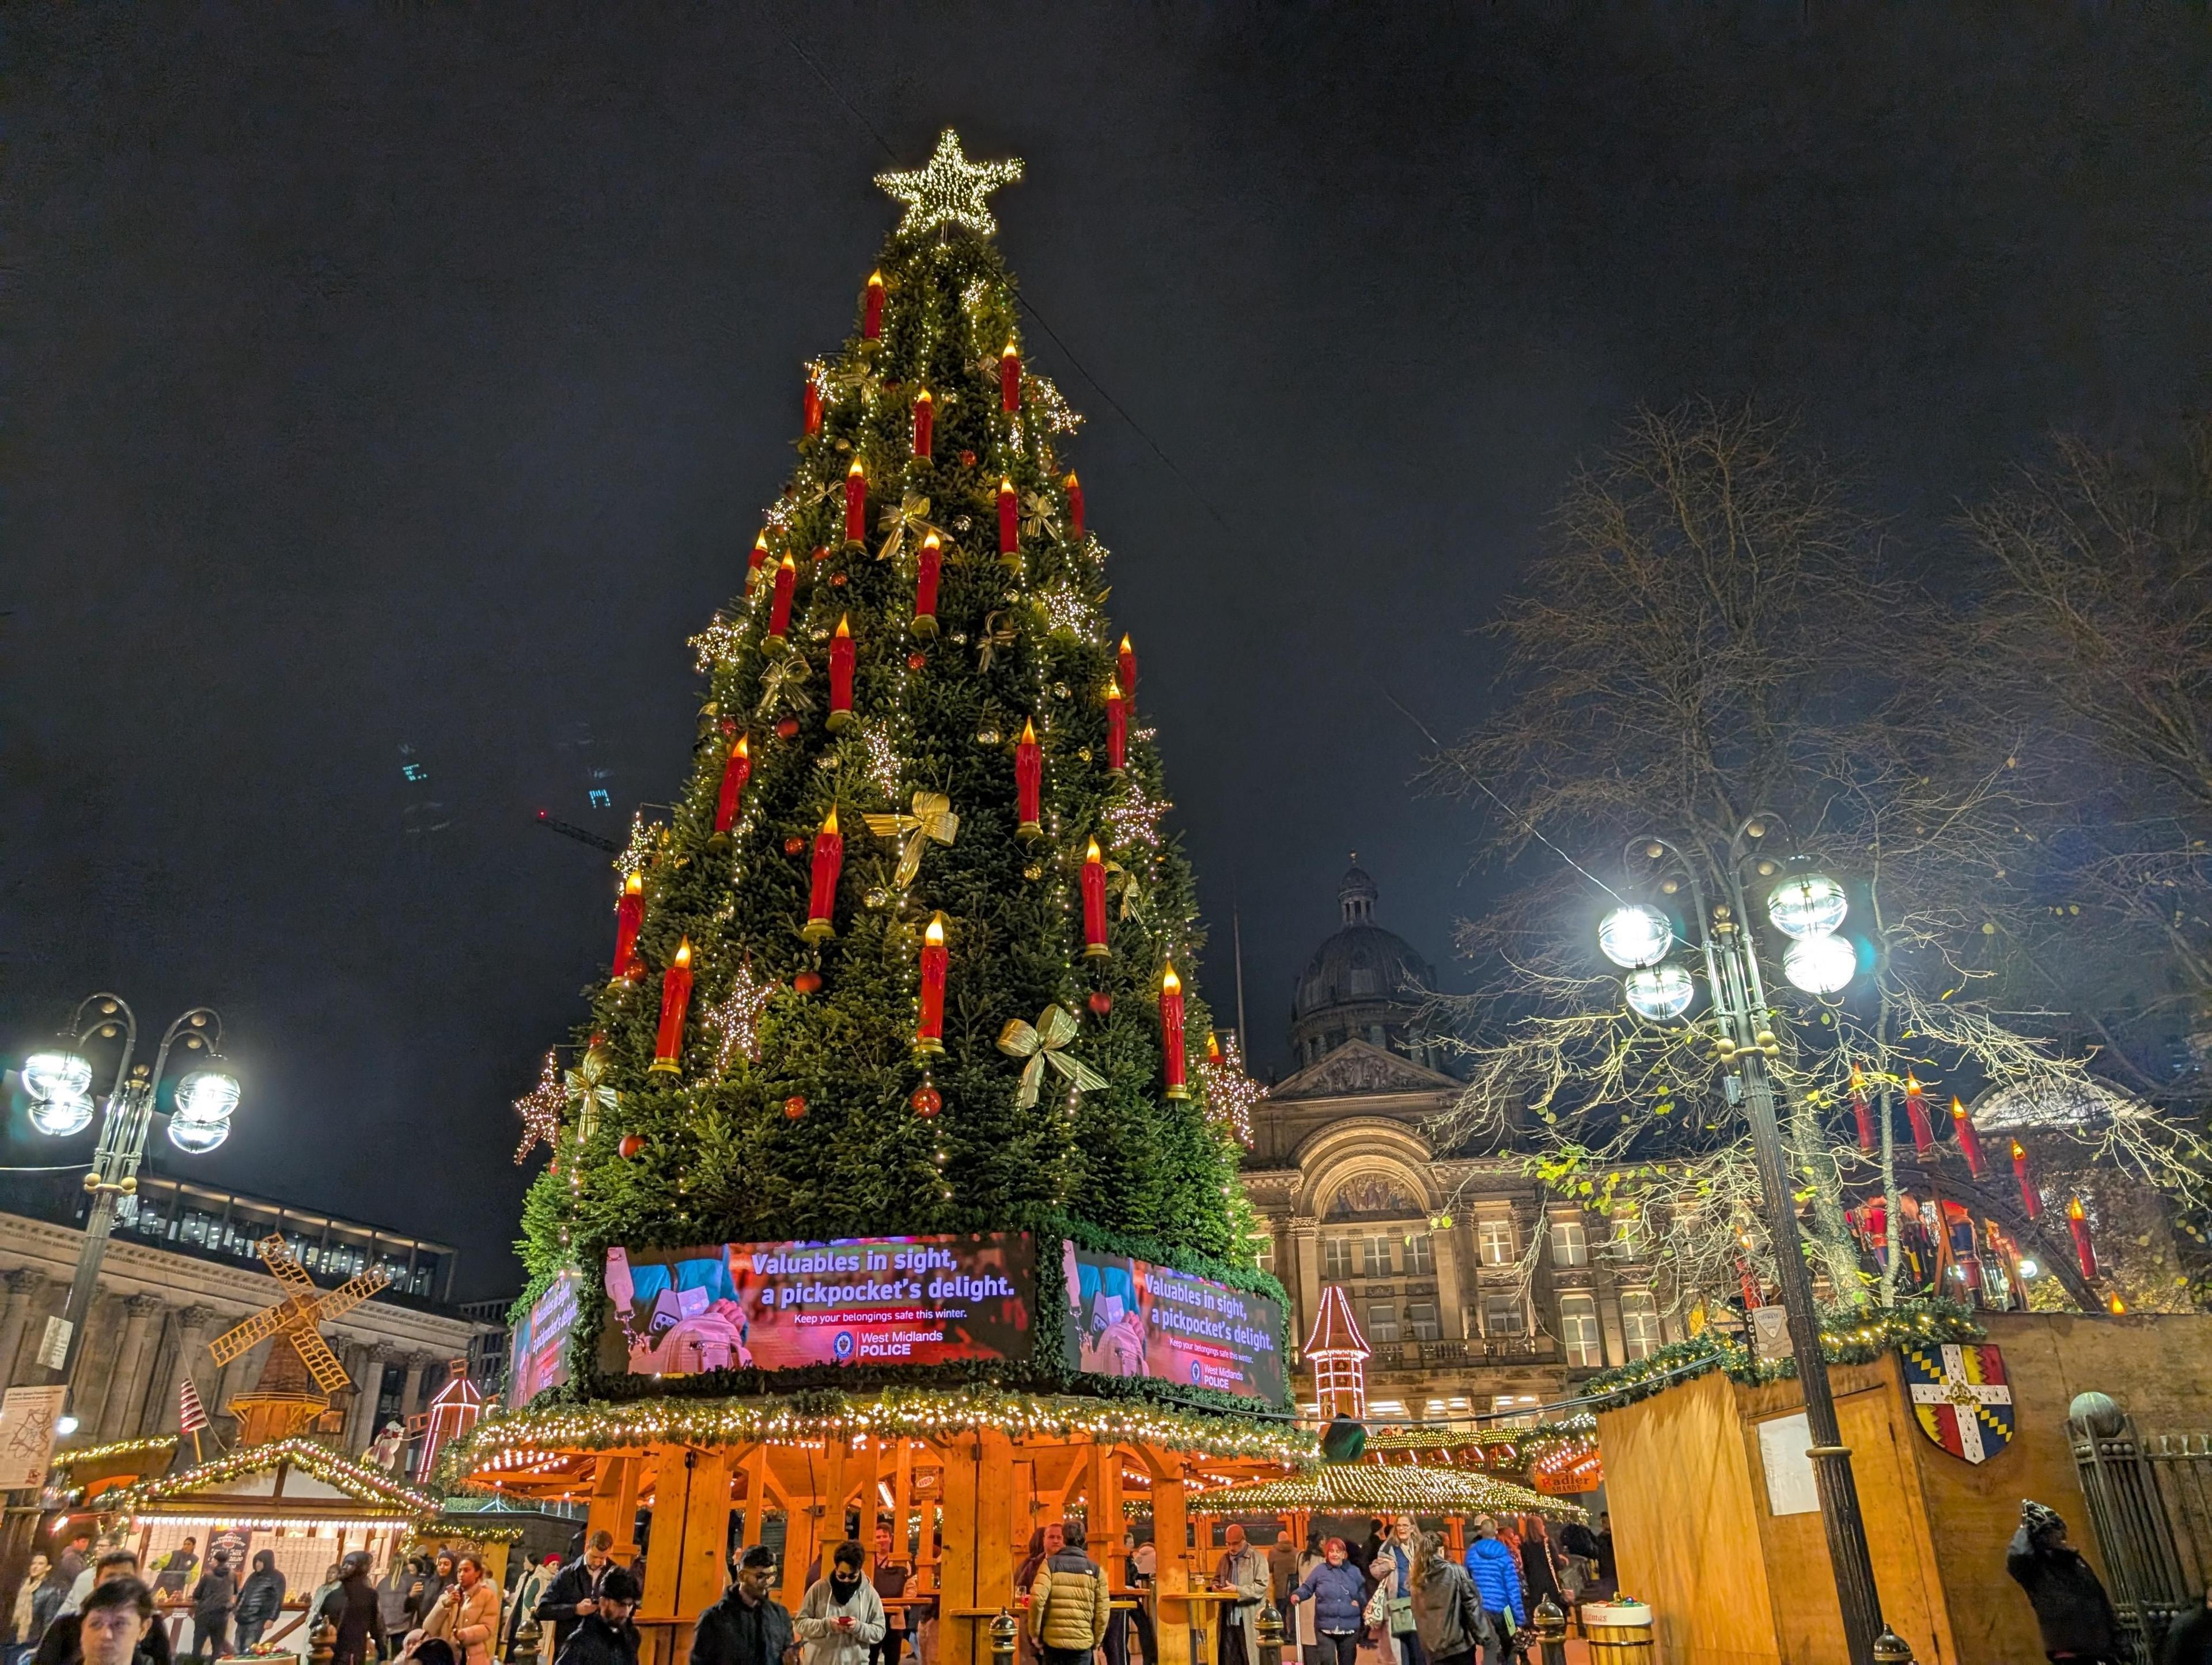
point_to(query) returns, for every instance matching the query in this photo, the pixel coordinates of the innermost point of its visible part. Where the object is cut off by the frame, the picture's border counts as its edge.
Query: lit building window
(1382, 1323)
(1495, 1241)
(1374, 1256)
(1420, 1255)
(1570, 1245)
(1518, 1410)
(1578, 1329)
(1502, 1316)
(1421, 1320)
(1639, 1323)
(1336, 1257)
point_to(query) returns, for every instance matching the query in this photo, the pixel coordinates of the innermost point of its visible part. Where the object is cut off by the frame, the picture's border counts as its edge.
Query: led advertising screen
(795, 1305)
(537, 1357)
(1132, 1318)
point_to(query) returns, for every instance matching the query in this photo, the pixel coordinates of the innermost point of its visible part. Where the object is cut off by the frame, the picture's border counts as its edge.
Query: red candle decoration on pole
(1074, 488)
(1916, 1112)
(1125, 671)
(822, 894)
(1859, 1109)
(1009, 378)
(756, 562)
(810, 406)
(1094, 904)
(840, 675)
(737, 769)
(1171, 1031)
(1010, 524)
(1117, 729)
(630, 913)
(929, 1033)
(675, 1001)
(779, 612)
(2031, 1200)
(1970, 1144)
(2085, 1252)
(1029, 783)
(872, 317)
(925, 423)
(856, 503)
(927, 565)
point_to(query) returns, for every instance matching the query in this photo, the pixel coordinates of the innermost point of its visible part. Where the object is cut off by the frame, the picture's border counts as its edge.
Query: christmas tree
(912, 954)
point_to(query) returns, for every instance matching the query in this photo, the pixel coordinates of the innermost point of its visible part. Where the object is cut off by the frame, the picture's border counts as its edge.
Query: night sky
(385, 378)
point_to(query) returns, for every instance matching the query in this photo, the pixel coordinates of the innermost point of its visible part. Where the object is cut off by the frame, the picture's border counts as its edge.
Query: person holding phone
(842, 1619)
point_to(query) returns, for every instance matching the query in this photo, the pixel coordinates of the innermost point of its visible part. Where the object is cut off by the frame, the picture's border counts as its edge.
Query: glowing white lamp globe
(1635, 935)
(207, 1097)
(64, 1115)
(1660, 992)
(48, 1075)
(1807, 904)
(197, 1137)
(1820, 964)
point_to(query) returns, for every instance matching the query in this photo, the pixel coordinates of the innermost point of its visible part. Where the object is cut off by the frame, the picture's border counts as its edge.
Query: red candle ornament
(1009, 378)
(756, 562)
(1029, 783)
(1859, 1109)
(840, 675)
(779, 610)
(822, 895)
(809, 405)
(2031, 1200)
(925, 423)
(929, 1033)
(675, 1001)
(927, 567)
(1117, 729)
(737, 769)
(1074, 504)
(1094, 905)
(856, 504)
(1125, 671)
(872, 316)
(1010, 523)
(1970, 1144)
(1171, 1031)
(1915, 1111)
(2085, 1252)
(630, 913)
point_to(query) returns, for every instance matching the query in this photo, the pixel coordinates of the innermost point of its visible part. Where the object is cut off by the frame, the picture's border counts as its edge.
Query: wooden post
(684, 1574)
(613, 1507)
(1174, 1617)
(755, 1466)
(957, 1631)
(903, 1502)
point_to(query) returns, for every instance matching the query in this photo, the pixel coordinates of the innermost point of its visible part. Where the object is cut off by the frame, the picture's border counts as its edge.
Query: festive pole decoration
(1915, 1111)
(810, 406)
(932, 818)
(1125, 671)
(821, 893)
(1029, 783)
(925, 423)
(840, 675)
(1094, 904)
(629, 915)
(1010, 379)
(928, 566)
(1230, 1092)
(1074, 489)
(856, 503)
(779, 612)
(756, 562)
(929, 1033)
(1859, 1109)
(1172, 1032)
(2085, 1251)
(1046, 1044)
(540, 1109)
(872, 317)
(1010, 530)
(1970, 1144)
(675, 1001)
(736, 771)
(1117, 729)
(2031, 1200)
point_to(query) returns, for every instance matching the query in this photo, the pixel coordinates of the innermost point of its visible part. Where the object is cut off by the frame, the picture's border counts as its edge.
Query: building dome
(1363, 983)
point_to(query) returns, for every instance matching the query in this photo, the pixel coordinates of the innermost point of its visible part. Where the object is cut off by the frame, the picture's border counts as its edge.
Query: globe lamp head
(196, 1138)
(206, 1097)
(63, 1117)
(1821, 963)
(1635, 935)
(1806, 904)
(49, 1075)
(1660, 993)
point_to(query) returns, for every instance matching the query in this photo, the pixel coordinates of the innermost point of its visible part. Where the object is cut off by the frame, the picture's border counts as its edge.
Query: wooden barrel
(1619, 1634)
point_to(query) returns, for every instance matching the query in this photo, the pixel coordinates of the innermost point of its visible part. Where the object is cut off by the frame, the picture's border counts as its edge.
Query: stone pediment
(1358, 1067)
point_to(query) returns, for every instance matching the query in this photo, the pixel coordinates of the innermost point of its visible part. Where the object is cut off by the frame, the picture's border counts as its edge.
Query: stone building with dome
(1477, 1293)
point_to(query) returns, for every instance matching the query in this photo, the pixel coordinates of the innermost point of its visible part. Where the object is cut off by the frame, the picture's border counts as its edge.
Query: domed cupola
(1363, 983)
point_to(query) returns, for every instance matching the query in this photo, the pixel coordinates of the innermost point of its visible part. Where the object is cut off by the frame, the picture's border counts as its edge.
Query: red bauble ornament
(1101, 1002)
(926, 1101)
(631, 1145)
(793, 846)
(795, 1106)
(915, 661)
(836, 580)
(967, 459)
(786, 726)
(806, 982)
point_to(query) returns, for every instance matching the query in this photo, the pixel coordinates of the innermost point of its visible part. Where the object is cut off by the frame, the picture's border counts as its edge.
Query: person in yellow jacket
(1069, 1604)
(467, 1613)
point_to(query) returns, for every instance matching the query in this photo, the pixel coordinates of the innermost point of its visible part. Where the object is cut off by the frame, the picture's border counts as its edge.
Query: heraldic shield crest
(1961, 1398)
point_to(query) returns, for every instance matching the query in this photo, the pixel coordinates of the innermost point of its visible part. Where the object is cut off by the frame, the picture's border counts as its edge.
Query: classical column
(411, 1390)
(27, 1288)
(1306, 1281)
(358, 1365)
(382, 1361)
(193, 1324)
(126, 1386)
(1443, 1252)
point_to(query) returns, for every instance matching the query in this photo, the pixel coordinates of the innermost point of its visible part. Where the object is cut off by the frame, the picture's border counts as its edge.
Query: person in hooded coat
(605, 1636)
(2071, 1609)
(841, 1618)
(352, 1606)
(260, 1600)
(1496, 1571)
(213, 1599)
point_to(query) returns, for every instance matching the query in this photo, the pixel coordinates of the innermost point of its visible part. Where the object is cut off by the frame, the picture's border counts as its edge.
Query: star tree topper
(950, 189)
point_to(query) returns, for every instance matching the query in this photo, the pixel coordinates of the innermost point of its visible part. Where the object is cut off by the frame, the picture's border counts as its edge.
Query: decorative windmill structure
(301, 1374)
(1339, 1355)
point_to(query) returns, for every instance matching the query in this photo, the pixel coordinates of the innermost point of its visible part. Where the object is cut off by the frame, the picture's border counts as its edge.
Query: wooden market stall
(1364, 1490)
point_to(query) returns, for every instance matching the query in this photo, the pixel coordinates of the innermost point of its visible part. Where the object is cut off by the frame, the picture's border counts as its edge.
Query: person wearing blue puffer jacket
(1338, 1590)
(1496, 1571)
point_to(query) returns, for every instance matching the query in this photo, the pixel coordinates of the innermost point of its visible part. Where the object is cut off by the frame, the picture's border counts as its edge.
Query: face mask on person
(844, 1582)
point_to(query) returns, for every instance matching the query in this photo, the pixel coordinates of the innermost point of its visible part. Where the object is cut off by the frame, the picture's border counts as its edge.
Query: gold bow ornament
(995, 636)
(910, 518)
(781, 681)
(588, 1093)
(933, 818)
(1040, 514)
(1120, 880)
(1045, 1044)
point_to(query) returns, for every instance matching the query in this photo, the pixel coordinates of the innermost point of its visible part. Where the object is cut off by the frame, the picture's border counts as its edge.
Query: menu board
(538, 1354)
(786, 1306)
(1129, 1317)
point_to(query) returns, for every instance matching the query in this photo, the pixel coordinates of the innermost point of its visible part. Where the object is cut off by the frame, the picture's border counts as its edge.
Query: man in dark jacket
(573, 1596)
(889, 1574)
(259, 1600)
(605, 1635)
(747, 1626)
(2071, 1607)
(60, 1643)
(352, 1609)
(213, 1599)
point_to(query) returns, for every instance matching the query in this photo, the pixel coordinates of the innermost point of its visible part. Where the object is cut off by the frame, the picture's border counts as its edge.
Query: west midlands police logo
(842, 1345)
(1961, 1398)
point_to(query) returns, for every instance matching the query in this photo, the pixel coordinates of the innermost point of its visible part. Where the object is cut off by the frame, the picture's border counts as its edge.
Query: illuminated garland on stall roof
(1367, 1488)
(121, 1447)
(318, 1461)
